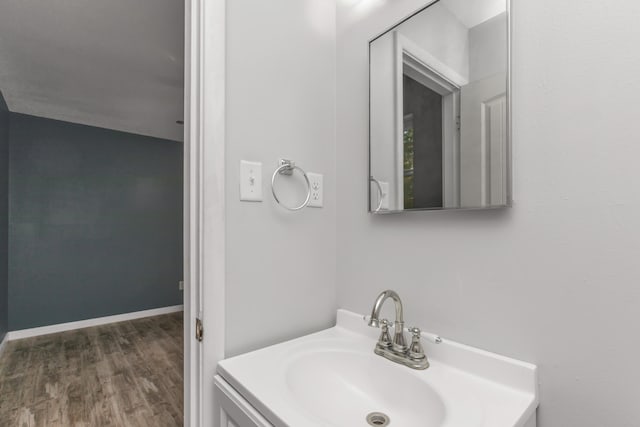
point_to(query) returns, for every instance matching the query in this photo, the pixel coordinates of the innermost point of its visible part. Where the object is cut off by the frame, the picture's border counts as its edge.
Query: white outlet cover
(250, 181)
(317, 190)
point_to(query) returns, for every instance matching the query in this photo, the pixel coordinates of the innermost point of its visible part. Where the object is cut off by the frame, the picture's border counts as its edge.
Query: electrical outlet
(316, 198)
(181, 285)
(250, 181)
(384, 206)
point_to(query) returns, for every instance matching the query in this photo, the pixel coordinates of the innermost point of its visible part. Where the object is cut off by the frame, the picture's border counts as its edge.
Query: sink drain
(378, 419)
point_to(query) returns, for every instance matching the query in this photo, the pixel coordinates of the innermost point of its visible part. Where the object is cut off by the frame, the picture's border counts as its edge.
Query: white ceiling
(474, 12)
(116, 64)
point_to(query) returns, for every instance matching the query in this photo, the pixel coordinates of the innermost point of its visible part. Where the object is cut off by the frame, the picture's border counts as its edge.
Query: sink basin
(333, 379)
(340, 388)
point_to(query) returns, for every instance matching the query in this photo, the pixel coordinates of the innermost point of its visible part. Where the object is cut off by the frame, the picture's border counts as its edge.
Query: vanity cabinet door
(234, 410)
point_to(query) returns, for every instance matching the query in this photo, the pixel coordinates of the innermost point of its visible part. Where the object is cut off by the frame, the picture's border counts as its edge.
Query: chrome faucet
(397, 350)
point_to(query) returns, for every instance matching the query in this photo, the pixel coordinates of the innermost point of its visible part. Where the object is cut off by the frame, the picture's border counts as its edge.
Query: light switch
(316, 198)
(250, 181)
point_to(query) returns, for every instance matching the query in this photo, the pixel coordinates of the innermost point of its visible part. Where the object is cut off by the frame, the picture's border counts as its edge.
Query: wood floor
(121, 374)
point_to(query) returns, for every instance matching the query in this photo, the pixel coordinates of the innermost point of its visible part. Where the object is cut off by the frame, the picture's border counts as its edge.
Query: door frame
(204, 204)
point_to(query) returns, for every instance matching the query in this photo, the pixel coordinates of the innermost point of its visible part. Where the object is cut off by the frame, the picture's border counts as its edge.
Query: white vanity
(333, 378)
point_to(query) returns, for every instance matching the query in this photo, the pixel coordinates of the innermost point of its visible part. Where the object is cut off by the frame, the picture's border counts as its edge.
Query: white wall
(554, 280)
(280, 103)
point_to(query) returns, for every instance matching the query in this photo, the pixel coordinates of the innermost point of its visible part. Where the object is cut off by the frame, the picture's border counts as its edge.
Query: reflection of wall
(383, 134)
(429, 28)
(487, 48)
(96, 222)
(426, 107)
(554, 280)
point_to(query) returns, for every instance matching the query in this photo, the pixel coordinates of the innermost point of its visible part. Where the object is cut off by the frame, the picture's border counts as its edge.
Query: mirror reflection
(439, 109)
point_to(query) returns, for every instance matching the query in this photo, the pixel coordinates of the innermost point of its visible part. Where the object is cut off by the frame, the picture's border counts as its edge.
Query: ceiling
(116, 64)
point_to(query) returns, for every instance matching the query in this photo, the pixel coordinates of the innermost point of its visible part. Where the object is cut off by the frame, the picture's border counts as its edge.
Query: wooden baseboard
(62, 327)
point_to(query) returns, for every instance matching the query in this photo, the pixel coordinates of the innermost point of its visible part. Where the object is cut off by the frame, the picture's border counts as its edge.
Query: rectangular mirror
(439, 117)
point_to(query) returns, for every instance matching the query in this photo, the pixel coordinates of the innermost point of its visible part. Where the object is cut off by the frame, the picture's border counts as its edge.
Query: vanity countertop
(333, 378)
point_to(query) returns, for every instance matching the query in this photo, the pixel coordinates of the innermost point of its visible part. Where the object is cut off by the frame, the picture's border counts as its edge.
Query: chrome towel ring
(286, 168)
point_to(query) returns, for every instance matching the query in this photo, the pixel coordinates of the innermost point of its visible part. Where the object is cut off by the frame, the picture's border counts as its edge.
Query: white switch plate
(316, 199)
(250, 181)
(181, 285)
(385, 196)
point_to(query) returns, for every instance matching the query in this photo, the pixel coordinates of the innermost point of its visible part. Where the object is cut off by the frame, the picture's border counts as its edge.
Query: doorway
(91, 303)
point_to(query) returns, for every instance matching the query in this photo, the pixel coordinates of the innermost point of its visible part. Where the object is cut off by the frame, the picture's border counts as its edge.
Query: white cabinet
(233, 410)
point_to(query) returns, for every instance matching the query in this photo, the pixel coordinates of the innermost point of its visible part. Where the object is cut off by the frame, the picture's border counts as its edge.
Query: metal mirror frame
(509, 146)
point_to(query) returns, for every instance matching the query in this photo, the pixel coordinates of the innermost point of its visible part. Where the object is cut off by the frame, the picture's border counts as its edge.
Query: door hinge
(458, 123)
(199, 330)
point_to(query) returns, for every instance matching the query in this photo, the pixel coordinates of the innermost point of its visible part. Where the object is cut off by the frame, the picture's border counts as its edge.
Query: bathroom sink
(342, 387)
(333, 379)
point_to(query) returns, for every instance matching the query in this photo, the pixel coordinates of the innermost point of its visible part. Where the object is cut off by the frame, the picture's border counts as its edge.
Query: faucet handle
(385, 339)
(416, 352)
(414, 331)
(417, 333)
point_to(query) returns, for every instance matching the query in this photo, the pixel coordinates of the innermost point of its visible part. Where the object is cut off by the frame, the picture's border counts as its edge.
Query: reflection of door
(483, 143)
(429, 79)
(494, 134)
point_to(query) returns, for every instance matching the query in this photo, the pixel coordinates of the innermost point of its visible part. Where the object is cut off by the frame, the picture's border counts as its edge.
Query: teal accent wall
(95, 223)
(4, 215)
